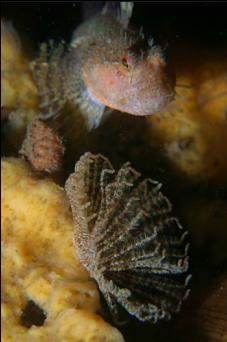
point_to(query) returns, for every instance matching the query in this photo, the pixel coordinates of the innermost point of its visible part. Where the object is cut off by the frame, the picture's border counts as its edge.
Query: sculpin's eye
(124, 62)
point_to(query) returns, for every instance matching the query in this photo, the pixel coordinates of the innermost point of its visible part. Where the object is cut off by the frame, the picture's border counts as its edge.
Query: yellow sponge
(18, 89)
(191, 131)
(39, 264)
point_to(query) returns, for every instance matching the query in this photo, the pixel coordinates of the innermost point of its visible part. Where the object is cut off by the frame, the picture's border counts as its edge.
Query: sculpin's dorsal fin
(121, 10)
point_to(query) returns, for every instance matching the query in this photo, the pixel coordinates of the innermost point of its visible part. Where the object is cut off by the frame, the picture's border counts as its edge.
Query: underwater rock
(205, 315)
(211, 317)
(206, 219)
(127, 239)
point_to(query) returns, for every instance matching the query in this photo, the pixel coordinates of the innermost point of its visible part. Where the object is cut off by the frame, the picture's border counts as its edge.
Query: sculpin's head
(127, 73)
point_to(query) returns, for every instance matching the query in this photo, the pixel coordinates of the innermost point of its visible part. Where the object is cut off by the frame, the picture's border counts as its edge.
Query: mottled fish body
(109, 65)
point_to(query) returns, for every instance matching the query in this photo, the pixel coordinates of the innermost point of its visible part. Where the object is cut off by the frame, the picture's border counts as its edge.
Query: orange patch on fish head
(138, 86)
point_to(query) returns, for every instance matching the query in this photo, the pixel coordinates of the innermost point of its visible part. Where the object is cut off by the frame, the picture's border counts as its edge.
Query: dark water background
(173, 23)
(169, 21)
